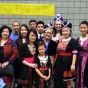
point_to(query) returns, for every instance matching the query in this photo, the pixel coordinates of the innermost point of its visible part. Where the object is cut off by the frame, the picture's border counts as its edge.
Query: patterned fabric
(62, 45)
(26, 73)
(44, 64)
(63, 62)
(58, 18)
(56, 38)
(10, 51)
(82, 64)
(61, 48)
(10, 54)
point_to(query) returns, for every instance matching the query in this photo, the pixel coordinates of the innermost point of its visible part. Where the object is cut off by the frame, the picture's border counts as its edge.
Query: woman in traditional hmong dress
(26, 57)
(58, 21)
(66, 58)
(82, 61)
(44, 68)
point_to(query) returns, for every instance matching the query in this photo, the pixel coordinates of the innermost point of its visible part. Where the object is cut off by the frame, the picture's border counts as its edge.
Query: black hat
(67, 25)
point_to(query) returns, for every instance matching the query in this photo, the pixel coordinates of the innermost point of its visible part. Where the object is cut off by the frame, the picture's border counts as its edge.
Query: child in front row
(44, 68)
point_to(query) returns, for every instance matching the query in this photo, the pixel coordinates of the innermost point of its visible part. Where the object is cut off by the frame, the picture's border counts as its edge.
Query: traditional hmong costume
(65, 50)
(44, 64)
(26, 53)
(82, 63)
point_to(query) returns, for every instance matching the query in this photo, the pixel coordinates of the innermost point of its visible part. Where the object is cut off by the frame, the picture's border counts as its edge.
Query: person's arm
(74, 52)
(21, 57)
(29, 64)
(74, 59)
(49, 73)
(14, 52)
(39, 73)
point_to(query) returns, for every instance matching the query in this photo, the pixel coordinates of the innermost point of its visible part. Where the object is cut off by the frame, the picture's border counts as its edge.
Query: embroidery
(43, 61)
(32, 49)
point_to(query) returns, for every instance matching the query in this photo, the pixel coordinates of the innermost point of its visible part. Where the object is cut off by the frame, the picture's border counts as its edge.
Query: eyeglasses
(48, 33)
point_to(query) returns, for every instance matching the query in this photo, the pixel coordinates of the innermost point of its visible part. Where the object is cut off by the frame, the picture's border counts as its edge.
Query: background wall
(73, 10)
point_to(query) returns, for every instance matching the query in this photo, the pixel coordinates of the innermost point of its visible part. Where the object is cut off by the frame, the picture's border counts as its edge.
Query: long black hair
(35, 32)
(35, 43)
(19, 40)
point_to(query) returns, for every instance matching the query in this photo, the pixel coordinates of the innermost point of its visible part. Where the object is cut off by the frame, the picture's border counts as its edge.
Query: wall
(73, 10)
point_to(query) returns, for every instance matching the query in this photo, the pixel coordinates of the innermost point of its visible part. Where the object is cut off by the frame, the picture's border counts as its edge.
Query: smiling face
(5, 34)
(48, 34)
(23, 31)
(16, 27)
(66, 32)
(83, 29)
(58, 25)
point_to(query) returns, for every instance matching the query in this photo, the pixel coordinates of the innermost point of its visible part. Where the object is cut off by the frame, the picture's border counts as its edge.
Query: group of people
(41, 51)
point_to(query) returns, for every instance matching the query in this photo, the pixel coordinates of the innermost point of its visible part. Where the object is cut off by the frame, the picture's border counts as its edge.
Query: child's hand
(47, 78)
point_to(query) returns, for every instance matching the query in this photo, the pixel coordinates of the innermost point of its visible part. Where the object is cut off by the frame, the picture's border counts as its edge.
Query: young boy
(33, 24)
(40, 29)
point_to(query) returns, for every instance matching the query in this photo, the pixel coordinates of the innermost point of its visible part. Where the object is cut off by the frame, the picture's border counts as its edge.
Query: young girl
(44, 67)
(82, 61)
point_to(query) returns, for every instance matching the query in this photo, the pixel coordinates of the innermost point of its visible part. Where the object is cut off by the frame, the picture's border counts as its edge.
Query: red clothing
(10, 53)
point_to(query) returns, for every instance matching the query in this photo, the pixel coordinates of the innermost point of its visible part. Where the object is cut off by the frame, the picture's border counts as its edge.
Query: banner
(27, 9)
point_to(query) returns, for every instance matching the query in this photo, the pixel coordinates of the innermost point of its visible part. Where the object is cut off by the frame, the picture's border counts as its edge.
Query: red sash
(30, 60)
(43, 69)
(65, 53)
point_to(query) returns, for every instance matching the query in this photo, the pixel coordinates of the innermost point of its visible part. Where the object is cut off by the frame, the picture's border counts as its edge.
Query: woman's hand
(33, 65)
(72, 67)
(4, 64)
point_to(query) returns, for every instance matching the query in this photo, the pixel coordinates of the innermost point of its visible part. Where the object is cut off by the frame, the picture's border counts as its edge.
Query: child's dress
(44, 64)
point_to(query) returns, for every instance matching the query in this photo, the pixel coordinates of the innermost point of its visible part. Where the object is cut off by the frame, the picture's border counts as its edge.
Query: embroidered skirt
(63, 71)
(26, 77)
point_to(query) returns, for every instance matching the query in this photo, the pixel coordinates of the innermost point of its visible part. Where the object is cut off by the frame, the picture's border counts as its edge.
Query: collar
(65, 40)
(8, 41)
(40, 34)
(14, 33)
